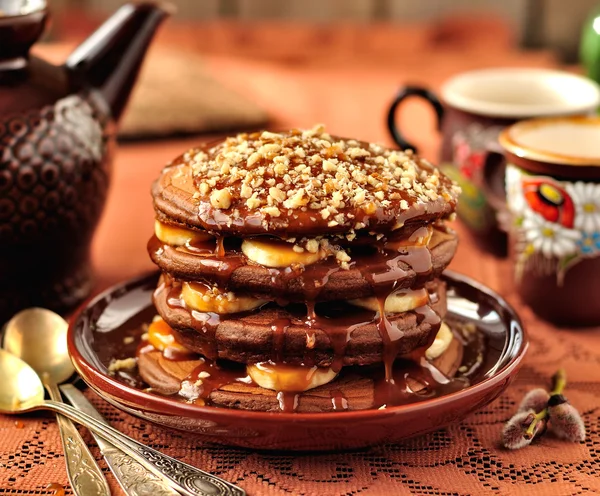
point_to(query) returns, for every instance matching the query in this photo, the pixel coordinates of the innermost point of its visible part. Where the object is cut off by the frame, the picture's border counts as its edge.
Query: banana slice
(273, 253)
(442, 340)
(205, 298)
(398, 302)
(421, 237)
(284, 377)
(160, 336)
(178, 236)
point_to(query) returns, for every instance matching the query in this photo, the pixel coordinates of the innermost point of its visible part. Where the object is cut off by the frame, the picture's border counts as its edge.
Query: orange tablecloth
(462, 459)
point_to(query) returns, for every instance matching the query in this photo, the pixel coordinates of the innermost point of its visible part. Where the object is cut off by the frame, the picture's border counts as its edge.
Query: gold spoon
(21, 391)
(39, 337)
(49, 331)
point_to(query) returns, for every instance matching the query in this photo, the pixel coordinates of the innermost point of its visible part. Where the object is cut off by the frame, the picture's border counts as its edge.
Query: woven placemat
(464, 459)
(175, 94)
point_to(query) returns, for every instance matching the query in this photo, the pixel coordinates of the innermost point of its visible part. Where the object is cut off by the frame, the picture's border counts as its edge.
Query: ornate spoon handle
(131, 475)
(182, 477)
(84, 474)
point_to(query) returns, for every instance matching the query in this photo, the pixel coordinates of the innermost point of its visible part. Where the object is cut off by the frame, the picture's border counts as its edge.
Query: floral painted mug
(553, 197)
(473, 108)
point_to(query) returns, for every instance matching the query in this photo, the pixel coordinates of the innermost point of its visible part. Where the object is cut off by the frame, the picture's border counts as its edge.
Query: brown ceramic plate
(118, 310)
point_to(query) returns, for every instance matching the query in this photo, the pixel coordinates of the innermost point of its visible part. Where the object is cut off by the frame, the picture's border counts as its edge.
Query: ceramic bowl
(127, 305)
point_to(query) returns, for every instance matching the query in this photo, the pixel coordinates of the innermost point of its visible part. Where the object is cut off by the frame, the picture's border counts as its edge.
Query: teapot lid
(12, 8)
(21, 24)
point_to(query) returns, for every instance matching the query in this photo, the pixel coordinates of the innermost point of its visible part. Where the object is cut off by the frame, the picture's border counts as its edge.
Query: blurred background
(245, 63)
(533, 23)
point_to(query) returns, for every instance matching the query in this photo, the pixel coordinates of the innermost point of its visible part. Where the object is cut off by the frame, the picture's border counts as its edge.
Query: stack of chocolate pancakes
(300, 272)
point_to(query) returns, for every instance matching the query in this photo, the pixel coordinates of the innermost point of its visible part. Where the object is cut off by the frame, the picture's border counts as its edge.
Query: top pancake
(301, 183)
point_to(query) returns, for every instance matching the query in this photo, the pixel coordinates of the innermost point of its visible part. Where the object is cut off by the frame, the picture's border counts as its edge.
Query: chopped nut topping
(283, 175)
(124, 364)
(342, 256)
(312, 245)
(277, 194)
(220, 198)
(245, 191)
(272, 211)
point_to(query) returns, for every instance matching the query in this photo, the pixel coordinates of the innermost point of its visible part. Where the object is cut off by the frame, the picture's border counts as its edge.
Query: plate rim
(166, 405)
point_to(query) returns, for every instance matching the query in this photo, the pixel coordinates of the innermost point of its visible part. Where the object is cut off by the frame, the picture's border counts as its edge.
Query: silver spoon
(132, 476)
(48, 331)
(39, 337)
(21, 391)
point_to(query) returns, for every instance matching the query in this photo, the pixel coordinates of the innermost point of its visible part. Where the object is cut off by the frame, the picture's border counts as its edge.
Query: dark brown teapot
(57, 139)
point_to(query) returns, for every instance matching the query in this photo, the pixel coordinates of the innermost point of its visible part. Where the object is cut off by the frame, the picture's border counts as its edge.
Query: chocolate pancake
(292, 244)
(301, 183)
(236, 273)
(342, 335)
(353, 389)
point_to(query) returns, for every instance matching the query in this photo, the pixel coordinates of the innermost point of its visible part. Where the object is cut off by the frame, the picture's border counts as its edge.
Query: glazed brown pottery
(474, 107)
(57, 137)
(553, 196)
(98, 333)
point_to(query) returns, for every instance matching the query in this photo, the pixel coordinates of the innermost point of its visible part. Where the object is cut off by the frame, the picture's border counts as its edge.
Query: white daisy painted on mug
(549, 238)
(586, 197)
(514, 189)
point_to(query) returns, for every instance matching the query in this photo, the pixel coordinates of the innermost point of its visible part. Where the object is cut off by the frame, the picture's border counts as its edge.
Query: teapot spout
(110, 59)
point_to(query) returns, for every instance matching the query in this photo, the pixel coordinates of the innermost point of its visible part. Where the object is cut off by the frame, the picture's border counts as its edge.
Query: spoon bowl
(21, 389)
(39, 337)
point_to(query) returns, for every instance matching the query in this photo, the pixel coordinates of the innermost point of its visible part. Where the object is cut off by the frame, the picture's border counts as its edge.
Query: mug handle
(404, 93)
(494, 166)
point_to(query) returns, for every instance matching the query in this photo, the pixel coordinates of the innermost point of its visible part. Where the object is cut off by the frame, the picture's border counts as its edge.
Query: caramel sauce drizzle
(279, 327)
(170, 351)
(56, 488)
(382, 269)
(408, 370)
(209, 376)
(384, 282)
(338, 400)
(220, 247)
(288, 402)
(205, 323)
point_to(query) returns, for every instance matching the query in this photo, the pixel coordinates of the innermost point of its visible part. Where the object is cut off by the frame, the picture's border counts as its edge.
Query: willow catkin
(536, 400)
(514, 434)
(565, 421)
